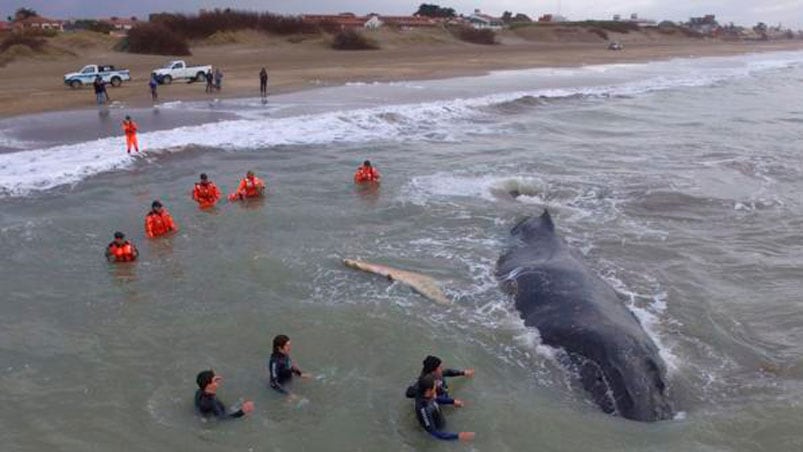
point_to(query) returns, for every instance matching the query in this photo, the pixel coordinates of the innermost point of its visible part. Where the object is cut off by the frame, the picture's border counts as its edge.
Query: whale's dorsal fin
(546, 220)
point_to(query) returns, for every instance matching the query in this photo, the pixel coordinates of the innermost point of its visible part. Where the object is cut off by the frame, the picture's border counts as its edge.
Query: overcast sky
(744, 12)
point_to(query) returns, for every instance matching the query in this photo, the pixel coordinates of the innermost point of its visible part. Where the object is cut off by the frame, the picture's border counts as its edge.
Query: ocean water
(679, 182)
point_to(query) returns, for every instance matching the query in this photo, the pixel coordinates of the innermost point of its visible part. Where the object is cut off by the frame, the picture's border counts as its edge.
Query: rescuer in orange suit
(158, 221)
(366, 173)
(130, 129)
(250, 187)
(121, 250)
(205, 192)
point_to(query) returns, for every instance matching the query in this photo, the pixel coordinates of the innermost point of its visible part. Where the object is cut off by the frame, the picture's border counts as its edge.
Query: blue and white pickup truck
(88, 73)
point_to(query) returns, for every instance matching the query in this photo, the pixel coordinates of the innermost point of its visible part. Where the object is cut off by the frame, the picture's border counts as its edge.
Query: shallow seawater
(678, 182)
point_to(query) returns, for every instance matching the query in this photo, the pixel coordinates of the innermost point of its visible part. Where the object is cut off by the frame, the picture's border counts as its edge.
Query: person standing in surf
(130, 130)
(263, 83)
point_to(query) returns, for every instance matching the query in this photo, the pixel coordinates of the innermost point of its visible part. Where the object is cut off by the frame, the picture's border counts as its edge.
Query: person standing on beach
(210, 80)
(218, 79)
(263, 83)
(153, 84)
(100, 90)
(207, 403)
(158, 221)
(130, 129)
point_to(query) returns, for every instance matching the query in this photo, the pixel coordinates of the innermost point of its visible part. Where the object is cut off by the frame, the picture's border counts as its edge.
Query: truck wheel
(116, 81)
(75, 84)
(167, 79)
(200, 77)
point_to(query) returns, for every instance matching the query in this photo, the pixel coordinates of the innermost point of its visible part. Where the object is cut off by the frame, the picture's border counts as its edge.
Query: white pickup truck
(177, 70)
(90, 72)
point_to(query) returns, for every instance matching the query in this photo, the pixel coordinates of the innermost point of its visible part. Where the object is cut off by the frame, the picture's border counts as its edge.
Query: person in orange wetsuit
(250, 187)
(205, 192)
(121, 250)
(158, 221)
(130, 129)
(366, 173)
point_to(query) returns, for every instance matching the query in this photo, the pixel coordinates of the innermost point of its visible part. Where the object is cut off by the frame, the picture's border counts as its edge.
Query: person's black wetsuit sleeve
(444, 399)
(453, 373)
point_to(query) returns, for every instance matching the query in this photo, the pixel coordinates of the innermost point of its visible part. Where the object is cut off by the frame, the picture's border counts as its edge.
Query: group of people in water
(429, 391)
(159, 222)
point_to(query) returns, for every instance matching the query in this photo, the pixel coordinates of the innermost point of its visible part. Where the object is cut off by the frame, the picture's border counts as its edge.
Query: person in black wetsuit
(207, 403)
(428, 412)
(280, 367)
(433, 365)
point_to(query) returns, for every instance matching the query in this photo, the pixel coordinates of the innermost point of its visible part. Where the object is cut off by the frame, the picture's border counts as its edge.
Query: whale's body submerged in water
(575, 310)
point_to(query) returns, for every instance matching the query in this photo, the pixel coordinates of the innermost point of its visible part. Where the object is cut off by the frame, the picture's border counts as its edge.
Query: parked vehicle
(614, 45)
(88, 73)
(178, 70)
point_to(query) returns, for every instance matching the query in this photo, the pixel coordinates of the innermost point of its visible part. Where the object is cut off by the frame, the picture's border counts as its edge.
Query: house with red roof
(38, 23)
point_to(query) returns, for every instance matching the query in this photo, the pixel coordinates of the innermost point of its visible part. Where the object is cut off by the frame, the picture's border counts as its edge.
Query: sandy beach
(34, 84)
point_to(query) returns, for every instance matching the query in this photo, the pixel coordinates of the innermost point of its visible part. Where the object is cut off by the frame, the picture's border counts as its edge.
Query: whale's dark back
(574, 309)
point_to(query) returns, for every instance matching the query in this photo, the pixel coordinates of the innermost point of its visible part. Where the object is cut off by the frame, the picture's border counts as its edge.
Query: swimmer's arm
(446, 436)
(453, 372)
(444, 400)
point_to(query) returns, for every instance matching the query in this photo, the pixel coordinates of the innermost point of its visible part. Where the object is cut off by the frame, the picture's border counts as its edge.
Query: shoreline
(294, 69)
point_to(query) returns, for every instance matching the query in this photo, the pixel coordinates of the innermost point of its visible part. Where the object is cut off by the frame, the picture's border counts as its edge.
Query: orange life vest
(130, 127)
(366, 174)
(250, 188)
(122, 253)
(157, 224)
(205, 194)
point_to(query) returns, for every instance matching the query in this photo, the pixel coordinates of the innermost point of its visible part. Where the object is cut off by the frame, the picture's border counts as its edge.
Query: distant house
(634, 19)
(479, 20)
(121, 24)
(38, 23)
(5, 26)
(372, 21)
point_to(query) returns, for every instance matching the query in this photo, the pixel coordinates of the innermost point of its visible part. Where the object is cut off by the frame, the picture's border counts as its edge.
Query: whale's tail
(423, 284)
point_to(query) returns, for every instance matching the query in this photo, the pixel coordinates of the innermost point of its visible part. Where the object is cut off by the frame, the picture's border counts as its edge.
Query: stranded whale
(575, 310)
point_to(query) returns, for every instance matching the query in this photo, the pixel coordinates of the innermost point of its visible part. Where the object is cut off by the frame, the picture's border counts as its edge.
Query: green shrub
(350, 39)
(22, 39)
(473, 35)
(599, 32)
(155, 39)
